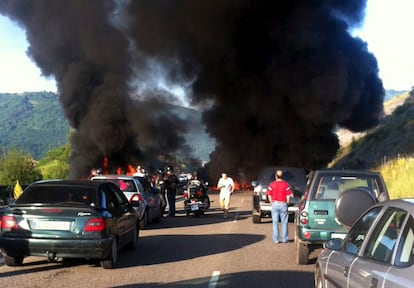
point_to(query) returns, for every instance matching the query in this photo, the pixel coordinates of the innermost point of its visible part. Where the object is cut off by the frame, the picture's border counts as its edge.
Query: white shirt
(226, 186)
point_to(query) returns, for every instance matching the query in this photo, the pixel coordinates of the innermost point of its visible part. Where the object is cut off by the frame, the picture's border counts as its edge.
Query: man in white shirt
(226, 186)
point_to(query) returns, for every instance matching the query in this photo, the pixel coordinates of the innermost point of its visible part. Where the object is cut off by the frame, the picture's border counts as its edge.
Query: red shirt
(279, 190)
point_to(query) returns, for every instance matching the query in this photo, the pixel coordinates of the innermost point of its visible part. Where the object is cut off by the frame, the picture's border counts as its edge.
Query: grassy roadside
(398, 176)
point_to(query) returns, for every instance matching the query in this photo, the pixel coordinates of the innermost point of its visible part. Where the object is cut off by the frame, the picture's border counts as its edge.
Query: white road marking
(213, 280)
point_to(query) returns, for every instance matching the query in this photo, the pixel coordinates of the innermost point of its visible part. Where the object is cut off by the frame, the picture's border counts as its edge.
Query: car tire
(351, 204)
(110, 262)
(302, 253)
(144, 221)
(13, 261)
(134, 240)
(159, 216)
(256, 219)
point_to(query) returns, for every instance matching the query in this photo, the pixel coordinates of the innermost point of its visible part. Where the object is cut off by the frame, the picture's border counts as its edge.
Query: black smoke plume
(276, 78)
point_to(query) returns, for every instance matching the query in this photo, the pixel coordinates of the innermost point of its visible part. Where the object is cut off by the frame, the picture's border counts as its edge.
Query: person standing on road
(279, 194)
(226, 186)
(170, 187)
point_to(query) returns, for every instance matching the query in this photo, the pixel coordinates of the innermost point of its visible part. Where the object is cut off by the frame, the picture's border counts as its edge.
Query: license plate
(194, 207)
(338, 235)
(50, 225)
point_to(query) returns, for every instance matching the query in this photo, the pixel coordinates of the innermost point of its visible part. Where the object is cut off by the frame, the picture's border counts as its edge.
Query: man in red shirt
(279, 194)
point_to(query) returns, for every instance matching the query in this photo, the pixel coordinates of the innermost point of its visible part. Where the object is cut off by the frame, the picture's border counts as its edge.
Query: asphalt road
(183, 251)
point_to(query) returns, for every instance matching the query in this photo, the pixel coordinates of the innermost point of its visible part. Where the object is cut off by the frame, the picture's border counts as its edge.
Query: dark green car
(68, 219)
(321, 215)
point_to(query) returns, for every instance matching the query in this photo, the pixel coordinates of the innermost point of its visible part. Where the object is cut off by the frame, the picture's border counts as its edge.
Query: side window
(357, 234)
(383, 241)
(117, 195)
(405, 254)
(109, 199)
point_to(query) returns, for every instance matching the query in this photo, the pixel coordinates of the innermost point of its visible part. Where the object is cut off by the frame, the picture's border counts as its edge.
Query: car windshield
(58, 195)
(330, 186)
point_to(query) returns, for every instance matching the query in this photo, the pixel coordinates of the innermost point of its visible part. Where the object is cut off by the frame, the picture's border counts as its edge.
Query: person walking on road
(170, 187)
(279, 194)
(226, 186)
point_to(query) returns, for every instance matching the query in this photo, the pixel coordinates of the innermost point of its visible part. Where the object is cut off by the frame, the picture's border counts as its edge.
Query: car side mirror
(334, 244)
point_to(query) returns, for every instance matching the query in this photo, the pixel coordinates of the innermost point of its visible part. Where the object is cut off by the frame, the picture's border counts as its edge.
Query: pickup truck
(262, 208)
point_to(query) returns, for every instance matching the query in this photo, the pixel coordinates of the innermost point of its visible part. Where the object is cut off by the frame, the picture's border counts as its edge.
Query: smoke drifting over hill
(281, 75)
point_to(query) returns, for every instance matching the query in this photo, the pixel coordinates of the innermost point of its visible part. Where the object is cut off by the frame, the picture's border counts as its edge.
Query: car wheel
(13, 261)
(159, 216)
(302, 252)
(256, 218)
(110, 262)
(134, 237)
(144, 221)
(318, 279)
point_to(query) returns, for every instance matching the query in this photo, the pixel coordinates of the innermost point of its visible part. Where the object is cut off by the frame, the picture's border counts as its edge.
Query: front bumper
(60, 248)
(265, 208)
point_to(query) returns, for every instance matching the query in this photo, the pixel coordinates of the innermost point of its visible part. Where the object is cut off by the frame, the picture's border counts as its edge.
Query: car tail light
(304, 217)
(199, 193)
(136, 197)
(94, 225)
(307, 235)
(8, 222)
(186, 195)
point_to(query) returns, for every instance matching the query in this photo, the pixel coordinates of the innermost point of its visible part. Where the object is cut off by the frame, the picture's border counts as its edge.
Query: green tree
(56, 164)
(16, 165)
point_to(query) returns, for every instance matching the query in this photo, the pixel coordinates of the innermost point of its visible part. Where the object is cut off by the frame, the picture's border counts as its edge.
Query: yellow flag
(17, 190)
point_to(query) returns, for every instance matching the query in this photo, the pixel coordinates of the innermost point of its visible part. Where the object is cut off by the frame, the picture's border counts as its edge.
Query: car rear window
(125, 185)
(330, 186)
(268, 176)
(58, 195)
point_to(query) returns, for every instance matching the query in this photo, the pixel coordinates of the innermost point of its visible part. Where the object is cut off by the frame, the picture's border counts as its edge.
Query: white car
(132, 189)
(378, 251)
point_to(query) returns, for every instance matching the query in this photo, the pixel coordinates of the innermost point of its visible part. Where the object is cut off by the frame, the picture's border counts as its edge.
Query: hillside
(346, 137)
(393, 138)
(34, 123)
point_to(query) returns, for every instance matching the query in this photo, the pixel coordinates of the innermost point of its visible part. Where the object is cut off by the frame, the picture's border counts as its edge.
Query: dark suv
(262, 208)
(322, 214)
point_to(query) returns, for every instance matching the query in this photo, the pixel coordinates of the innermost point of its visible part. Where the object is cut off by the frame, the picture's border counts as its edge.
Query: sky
(386, 30)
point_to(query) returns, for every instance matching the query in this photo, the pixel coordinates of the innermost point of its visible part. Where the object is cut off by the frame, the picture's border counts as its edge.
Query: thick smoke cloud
(281, 75)
(76, 42)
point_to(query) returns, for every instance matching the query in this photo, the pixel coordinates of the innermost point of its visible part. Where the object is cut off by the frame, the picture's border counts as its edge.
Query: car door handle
(346, 271)
(374, 283)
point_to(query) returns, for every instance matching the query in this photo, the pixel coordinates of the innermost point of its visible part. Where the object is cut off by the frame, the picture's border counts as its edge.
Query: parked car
(320, 217)
(262, 208)
(134, 188)
(377, 252)
(68, 219)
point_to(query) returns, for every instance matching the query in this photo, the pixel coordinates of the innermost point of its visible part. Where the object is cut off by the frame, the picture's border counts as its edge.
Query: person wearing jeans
(279, 209)
(279, 193)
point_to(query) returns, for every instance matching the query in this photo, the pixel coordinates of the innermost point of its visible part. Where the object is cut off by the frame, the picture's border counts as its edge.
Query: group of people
(279, 193)
(170, 183)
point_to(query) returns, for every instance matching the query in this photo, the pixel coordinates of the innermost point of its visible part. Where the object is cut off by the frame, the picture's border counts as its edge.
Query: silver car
(378, 251)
